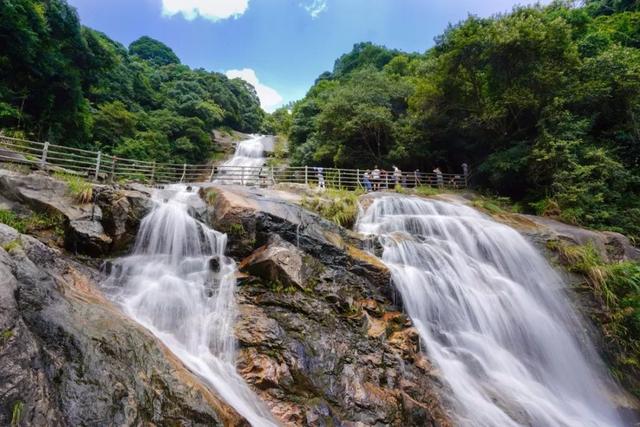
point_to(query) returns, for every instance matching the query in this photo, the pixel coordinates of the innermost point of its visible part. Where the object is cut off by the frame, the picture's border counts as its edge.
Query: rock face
(321, 340)
(69, 357)
(91, 229)
(123, 209)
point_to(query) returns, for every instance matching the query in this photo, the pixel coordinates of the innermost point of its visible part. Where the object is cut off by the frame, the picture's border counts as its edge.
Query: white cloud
(213, 10)
(315, 7)
(269, 97)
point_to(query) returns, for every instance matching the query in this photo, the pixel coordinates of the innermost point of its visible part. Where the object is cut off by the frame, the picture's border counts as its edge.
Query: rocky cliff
(322, 337)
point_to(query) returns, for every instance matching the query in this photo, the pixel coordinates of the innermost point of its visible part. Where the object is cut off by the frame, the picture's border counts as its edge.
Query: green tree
(153, 51)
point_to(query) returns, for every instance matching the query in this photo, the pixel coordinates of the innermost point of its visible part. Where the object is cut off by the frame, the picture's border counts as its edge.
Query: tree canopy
(74, 86)
(543, 102)
(153, 51)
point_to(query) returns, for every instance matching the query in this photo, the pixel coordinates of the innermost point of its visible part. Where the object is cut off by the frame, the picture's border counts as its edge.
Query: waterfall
(492, 315)
(180, 286)
(250, 155)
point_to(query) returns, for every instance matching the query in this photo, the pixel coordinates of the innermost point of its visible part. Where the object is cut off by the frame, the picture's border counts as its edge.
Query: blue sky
(280, 46)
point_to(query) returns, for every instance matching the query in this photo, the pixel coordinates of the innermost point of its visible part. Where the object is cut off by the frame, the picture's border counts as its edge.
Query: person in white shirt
(375, 175)
(397, 175)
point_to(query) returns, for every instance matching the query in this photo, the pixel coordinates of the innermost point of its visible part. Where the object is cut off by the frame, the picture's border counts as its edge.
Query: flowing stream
(244, 167)
(492, 316)
(179, 284)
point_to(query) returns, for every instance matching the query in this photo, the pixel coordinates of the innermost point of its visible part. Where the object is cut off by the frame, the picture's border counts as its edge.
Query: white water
(492, 316)
(244, 167)
(167, 286)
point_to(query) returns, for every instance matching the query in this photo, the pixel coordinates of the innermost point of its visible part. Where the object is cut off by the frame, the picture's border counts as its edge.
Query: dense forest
(543, 103)
(74, 86)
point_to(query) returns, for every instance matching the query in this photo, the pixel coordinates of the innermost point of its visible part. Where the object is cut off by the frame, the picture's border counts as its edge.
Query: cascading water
(244, 167)
(492, 316)
(179, 285)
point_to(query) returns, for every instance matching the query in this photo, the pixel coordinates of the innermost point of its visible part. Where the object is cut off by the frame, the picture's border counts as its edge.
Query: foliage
(617, 286)
(544, 102)
(495, 205)
(74, 86)
(13, 220)
(34, 222)
(426, 191)
(339, 206)
(153, 51)
(79, 188)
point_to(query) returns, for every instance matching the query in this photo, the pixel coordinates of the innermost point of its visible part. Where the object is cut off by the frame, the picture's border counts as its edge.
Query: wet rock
(320, 338)
(214, 264)
(69, 357)
(282, 263)
(87, 237)
(45, 194)
(123, 209)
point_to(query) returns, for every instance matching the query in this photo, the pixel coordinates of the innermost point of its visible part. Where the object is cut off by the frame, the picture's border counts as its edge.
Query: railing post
(358, 183)
(339, 180)
(153, 172)
(113, 169)
(273, 179)
(45, 152)
(213, 172)
(242, 175)
(184, 172)
(98, 159)
(306, 175)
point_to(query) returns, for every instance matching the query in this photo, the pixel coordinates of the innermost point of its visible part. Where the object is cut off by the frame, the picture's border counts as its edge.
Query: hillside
(74, 86)
(543, 104)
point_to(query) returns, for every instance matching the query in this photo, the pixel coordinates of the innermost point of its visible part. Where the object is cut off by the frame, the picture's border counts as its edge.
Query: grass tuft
(339, 206)
(79, 188)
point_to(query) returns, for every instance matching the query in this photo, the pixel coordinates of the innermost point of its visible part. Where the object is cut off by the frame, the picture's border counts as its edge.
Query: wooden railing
(100, 167)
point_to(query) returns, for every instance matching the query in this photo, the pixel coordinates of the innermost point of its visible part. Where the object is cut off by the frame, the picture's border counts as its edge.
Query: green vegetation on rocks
(616, 286)
(339, 206)
(79, 188)
(33, 222)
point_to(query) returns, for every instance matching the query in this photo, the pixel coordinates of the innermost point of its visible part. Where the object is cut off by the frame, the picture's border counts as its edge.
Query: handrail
(98, 166)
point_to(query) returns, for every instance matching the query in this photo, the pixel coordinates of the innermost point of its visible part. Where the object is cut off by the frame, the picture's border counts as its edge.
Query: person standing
(439, 177)
(376, 178)
(397, 175)
(366, 180)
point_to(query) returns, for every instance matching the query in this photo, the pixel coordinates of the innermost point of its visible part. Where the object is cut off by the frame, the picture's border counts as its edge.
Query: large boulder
(322, 339)
(330, 348)
(44, 193)
(281, 263)
(83, 230)
(123, 209)
(251, 217)
(94, 229)
(69, 357)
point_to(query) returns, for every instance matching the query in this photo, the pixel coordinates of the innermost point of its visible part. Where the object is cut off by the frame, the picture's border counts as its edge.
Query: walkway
(99, 167)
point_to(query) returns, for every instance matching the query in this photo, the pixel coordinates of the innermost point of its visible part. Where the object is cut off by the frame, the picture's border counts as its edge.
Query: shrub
(339, 206)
